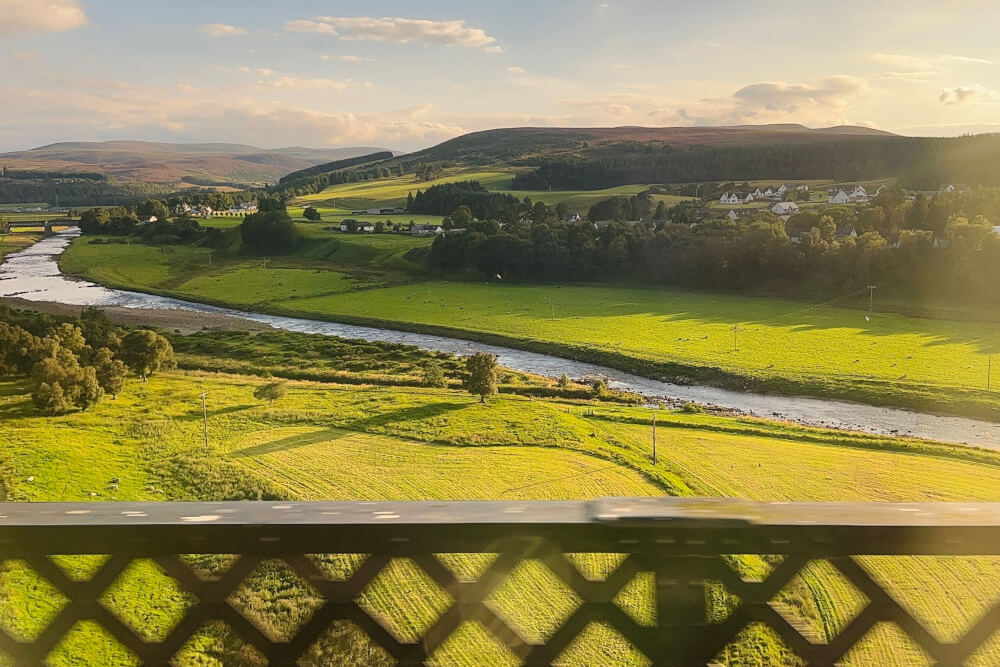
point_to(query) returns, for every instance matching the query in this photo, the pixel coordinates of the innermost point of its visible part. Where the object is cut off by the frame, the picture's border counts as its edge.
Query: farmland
(339, 201)
(781, 345)
(328, 441)
(329, 262)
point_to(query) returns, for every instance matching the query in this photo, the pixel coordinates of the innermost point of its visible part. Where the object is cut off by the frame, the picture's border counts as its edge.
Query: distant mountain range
(177, 164)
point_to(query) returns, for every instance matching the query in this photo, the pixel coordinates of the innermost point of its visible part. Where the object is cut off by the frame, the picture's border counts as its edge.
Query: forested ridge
(919, 163)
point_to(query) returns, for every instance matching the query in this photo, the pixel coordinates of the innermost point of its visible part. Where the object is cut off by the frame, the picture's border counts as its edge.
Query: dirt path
(182, 321)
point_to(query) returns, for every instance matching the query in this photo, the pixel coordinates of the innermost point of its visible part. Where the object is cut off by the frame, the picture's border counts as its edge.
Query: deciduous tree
(145, 352)
(482, 375)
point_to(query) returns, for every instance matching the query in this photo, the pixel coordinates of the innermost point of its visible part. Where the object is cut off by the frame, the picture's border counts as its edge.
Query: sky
(406, 75)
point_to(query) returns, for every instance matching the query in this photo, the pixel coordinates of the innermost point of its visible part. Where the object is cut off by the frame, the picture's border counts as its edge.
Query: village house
(360, 227)
(785, 208)
(729, 198)
(148, 219)
(847, 194)
(182, 209)
(846, 231)
(420, 229)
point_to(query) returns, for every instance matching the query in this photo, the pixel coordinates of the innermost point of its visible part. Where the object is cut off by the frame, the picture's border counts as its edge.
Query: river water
(33, 274)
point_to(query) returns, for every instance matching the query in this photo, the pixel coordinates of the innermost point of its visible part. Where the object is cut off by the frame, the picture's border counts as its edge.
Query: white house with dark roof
(785, 208)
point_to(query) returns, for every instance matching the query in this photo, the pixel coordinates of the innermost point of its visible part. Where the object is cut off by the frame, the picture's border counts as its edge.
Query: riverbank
(35, 276)
(179, 321)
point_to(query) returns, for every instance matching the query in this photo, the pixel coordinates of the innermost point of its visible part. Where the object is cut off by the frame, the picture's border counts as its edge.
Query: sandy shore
(183, 321)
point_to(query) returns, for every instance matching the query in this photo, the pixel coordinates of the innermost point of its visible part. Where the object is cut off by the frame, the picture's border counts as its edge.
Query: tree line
(919, 163)
(944, 245)
(75, 362)
(443, 199)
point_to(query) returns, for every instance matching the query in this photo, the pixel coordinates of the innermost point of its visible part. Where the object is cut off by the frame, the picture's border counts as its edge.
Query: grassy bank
(19, 241)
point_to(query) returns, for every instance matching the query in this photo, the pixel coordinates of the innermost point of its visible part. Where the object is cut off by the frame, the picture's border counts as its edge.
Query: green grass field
(339, 201)
(327, 263)
(334, 442)
(783, 345)
(391, 192)
(889, 359)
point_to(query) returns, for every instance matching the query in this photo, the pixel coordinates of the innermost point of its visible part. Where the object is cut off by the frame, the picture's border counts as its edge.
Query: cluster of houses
(851, 194)
(245, 208)
(783, 209)
(416, 229)
(767, 194)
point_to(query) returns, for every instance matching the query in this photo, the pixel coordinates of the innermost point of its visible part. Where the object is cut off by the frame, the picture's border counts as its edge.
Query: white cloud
(296, 83)
(965, 59)
(221, 30)
(305, 25)
(966, 94)
(827, 101)
(348, 58)
(26, 16)
(397, 30)
(913, 68)
(516, 70)
(916, 75)
(832, 91)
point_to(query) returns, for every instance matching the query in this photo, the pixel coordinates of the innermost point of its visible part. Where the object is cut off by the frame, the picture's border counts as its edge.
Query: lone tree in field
(482, 375)
(145, 352)
(310, 213)
(110, 372)
(434, 375)
(271, 391)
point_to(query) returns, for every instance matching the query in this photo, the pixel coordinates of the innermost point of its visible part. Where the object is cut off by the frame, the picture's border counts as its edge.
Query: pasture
(338, 201)
(391, 192)
(326, 263)
(817, 349)
(772, 344)
(326, 441)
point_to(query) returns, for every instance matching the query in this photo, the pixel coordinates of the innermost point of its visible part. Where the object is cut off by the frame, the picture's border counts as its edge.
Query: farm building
(425, 230)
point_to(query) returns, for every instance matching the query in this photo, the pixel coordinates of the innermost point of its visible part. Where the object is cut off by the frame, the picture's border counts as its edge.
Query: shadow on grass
(413, 413)
(291, 442)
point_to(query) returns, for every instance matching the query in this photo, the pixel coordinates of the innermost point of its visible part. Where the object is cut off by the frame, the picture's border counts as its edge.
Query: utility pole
(654, 438)
(204, 411)
(871, 297)
(736, 346)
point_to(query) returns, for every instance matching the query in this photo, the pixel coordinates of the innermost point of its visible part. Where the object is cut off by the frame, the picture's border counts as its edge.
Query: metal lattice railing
(684, 545)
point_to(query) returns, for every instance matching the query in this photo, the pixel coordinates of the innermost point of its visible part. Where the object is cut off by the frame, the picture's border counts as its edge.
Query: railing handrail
(693, 526)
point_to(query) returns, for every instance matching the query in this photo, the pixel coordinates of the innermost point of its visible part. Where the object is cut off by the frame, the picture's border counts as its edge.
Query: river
(33, 274)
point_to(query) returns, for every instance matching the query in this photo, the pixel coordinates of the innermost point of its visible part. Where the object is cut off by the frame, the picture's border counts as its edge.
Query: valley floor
(757, 343)
(329, 441)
